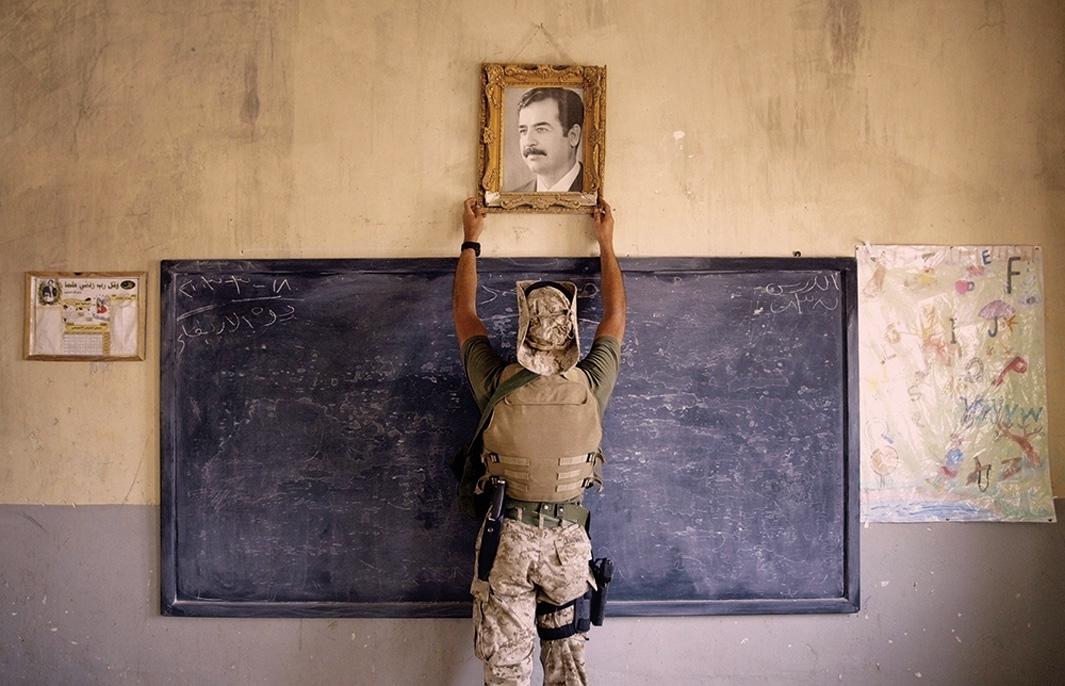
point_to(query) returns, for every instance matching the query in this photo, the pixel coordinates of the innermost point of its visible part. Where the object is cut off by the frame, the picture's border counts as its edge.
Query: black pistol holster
(588, 609)
(493, 530)
(603, 570)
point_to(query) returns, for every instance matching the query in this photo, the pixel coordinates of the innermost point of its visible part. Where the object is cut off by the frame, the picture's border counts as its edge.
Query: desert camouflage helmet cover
(548, 340)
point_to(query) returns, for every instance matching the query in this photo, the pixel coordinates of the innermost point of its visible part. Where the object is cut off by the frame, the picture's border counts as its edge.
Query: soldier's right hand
(473, 215)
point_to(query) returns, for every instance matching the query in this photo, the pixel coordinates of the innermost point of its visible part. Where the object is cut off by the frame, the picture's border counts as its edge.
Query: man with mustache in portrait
(549, 133)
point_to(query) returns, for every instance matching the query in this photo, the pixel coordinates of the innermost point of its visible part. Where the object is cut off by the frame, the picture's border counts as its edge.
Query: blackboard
(309, 409)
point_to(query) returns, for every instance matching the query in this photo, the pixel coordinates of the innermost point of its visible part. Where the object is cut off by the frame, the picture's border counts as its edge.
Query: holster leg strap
(582, 615)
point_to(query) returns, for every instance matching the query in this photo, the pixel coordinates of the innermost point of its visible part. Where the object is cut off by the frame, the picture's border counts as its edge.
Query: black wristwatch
(474, 245)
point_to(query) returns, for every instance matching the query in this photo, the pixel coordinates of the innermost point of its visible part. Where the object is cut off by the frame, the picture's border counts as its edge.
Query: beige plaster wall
(132, 132)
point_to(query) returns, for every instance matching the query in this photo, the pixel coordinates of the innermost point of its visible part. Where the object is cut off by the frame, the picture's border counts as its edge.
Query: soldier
(544, 440)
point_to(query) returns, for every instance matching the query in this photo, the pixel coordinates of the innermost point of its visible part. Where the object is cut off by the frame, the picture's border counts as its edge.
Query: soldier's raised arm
(613, 286)
(464, 293)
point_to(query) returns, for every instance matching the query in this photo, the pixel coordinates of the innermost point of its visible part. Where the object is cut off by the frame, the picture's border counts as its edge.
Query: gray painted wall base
(941, 604)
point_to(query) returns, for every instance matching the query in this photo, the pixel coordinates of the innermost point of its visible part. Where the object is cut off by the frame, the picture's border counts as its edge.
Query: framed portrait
(543, 137)
(85, 315)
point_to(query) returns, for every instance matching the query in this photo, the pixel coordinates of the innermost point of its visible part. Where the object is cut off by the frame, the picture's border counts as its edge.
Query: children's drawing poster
(953, 384)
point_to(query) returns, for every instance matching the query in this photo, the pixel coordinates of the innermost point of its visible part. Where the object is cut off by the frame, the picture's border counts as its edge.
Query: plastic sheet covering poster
(953, 384)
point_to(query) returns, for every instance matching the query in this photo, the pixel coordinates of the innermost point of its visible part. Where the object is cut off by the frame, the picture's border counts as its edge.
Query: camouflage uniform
(532, 564)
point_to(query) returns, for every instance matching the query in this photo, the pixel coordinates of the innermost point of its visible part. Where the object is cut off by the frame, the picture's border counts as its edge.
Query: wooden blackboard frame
(174, 605)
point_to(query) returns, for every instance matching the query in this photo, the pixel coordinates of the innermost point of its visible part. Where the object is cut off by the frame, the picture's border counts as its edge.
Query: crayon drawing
(953, 384)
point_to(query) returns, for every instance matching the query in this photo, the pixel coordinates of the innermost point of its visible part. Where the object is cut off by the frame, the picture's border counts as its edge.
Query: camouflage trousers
(533, 563)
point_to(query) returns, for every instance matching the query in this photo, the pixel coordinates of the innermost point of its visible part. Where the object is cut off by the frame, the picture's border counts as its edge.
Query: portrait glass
(542, 140)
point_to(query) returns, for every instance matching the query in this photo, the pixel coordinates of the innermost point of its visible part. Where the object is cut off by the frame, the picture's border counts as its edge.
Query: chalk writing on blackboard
(806, 295)
(241, 303)
(231, 283)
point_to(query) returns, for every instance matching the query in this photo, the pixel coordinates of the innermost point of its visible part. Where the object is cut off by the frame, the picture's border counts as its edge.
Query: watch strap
(475, 246)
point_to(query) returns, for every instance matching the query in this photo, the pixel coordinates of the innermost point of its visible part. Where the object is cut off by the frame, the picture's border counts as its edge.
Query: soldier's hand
(472, 219)
(604, 223)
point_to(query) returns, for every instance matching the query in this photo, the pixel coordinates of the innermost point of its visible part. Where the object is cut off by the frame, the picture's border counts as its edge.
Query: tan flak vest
(544, 438)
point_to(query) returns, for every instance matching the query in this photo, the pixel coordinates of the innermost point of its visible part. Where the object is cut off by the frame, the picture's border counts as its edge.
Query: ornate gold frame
(495, 79)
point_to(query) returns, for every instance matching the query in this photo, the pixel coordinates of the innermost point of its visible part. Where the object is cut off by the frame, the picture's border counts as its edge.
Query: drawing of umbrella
(995, 310)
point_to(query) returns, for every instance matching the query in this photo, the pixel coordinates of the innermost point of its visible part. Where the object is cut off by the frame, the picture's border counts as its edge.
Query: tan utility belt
(545, 515)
